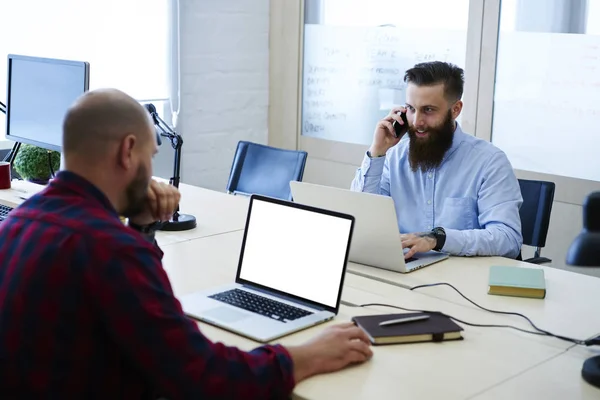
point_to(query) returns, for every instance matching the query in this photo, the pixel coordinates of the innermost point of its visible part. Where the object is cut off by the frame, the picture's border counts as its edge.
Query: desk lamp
(585, 252)
(178, 222)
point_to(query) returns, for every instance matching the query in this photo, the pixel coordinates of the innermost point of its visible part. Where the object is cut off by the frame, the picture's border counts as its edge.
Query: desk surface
(557, 379)
(490, 363)
(570, 307)
(460, 369)
(199, 202)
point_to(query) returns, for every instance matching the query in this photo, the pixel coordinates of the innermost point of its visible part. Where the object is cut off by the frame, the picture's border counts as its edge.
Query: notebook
(517, 281)
(437, 328)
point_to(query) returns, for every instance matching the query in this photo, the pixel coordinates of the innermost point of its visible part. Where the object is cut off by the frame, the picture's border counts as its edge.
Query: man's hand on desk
(418, 243)
(161, 202)
(335, 348)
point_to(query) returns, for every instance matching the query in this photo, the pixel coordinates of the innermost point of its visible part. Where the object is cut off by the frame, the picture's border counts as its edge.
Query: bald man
(86, 309)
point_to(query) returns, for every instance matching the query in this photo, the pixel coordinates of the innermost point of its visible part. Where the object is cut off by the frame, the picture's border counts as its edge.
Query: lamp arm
(167, 132)
(176, 143)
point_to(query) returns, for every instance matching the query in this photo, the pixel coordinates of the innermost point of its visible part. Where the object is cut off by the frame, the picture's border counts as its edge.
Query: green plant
(32, 163)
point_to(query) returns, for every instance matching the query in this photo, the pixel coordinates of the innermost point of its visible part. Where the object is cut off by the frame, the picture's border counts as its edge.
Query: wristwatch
(371, 156)
(440, 237)
(148, 229)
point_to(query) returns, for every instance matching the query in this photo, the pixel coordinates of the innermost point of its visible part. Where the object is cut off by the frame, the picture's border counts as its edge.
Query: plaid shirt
(87, 311)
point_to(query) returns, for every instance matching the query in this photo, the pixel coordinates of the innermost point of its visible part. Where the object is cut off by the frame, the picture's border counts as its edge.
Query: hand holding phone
(400, 130)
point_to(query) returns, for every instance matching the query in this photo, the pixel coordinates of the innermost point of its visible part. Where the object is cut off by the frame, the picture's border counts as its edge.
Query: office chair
(265, 170)
(535, 215)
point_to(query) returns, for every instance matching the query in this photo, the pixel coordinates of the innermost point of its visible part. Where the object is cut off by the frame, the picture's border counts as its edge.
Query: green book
(517, 281)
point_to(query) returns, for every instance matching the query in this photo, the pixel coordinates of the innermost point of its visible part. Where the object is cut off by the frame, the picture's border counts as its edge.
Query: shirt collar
(457, 139)
(70, 181)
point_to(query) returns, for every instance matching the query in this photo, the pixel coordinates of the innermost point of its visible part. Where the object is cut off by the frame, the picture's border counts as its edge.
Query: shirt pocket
(457, 213)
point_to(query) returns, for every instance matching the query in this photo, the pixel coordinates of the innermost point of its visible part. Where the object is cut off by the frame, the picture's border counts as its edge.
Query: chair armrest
(538, 260)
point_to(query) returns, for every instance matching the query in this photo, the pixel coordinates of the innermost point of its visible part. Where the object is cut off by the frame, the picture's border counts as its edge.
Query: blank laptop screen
(296, 251)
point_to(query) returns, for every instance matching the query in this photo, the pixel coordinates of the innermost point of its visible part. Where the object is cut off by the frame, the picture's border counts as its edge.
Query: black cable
(451, 317)
(50, 164)
(538, 331)
(542, 331)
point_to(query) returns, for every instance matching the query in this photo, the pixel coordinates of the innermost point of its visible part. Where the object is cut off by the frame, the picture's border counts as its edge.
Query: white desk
(215, 212)
(556, 379)
(453, 370)
(198, 264)
(489, 363)
(570, 307)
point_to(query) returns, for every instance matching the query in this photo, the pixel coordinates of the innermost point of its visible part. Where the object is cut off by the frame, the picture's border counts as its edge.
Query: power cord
(50, 164)
(538, 331)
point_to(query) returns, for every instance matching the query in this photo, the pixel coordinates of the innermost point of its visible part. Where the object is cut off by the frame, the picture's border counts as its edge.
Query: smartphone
(400, 130)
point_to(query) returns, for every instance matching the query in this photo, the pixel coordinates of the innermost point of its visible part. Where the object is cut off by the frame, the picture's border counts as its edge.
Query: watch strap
(440, 238)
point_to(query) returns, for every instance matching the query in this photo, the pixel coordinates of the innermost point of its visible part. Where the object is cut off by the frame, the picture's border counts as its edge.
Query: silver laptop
(290, 273)
(376, 240)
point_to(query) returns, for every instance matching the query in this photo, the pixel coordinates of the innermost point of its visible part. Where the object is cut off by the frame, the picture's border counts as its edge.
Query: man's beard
(427, 153)
(136, 193)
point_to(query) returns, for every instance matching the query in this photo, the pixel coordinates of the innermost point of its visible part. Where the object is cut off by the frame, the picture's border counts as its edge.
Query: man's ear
(456, 109)
(125, 153)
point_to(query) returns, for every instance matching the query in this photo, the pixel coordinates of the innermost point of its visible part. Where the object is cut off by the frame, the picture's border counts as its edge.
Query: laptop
(290, 272)
(376, 239)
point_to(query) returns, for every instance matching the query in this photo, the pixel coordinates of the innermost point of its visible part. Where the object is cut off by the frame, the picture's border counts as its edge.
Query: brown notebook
(437, 328)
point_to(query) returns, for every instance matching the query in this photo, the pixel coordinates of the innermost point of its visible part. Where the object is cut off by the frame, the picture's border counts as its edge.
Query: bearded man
(452, 192)
(87, 309)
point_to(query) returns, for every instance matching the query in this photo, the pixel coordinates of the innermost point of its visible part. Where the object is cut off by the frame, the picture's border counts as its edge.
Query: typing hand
(161, 203)
(335, 348)
(417, 243)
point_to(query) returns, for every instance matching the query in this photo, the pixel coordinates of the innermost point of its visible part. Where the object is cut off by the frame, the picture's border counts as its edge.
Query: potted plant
(33, 163)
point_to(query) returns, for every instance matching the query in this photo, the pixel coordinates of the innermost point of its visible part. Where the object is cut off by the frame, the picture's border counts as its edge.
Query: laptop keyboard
(4, 210)
(260, 305)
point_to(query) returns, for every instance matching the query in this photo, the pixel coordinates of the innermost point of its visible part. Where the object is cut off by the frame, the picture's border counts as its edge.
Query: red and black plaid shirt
(87, 311)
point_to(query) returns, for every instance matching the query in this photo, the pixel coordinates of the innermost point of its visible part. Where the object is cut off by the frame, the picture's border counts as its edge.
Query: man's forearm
(369, 176)
(492, 241)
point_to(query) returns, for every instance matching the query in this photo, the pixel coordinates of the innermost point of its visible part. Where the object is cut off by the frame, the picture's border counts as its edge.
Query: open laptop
(376, 239)
(290, 272)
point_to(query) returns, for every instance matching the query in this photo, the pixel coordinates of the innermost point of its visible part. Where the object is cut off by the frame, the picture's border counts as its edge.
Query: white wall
(224, 52)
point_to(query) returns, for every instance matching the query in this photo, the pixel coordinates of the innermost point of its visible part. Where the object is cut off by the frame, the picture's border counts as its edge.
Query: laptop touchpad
(225, 314)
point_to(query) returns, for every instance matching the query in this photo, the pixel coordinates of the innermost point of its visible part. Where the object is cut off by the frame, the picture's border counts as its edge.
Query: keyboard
(260, 305)
(4, 210)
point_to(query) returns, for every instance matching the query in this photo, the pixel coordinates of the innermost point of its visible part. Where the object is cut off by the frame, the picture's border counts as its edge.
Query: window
(126, 42)
(546, 114)
(356, 53)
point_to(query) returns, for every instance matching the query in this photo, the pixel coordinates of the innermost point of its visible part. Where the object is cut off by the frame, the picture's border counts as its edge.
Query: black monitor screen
(39, 92)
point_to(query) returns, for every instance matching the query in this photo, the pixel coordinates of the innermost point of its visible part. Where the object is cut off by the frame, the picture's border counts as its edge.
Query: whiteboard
(352, 76)
(547, 103)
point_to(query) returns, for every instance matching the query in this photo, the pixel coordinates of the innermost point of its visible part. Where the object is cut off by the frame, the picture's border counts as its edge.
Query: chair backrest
(535, 211)
(266, 170)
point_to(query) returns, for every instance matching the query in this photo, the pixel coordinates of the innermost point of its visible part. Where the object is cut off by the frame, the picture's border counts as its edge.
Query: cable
(451, 317)
(538, 331)
(542, 331)
(50, 164)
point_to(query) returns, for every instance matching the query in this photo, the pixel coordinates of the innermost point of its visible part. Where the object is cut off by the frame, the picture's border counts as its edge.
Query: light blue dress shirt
(474, 195)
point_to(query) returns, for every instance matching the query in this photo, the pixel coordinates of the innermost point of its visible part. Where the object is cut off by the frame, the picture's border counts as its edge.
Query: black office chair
(535, 215)
(266, 170)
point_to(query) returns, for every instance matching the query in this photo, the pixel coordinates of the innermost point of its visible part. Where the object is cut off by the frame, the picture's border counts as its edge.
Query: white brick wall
(224, 50)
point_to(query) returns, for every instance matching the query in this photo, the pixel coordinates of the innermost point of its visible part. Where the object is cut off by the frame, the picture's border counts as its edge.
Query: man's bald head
(101, 118)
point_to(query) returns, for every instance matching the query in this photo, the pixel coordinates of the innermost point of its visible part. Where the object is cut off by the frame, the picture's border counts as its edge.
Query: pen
(403, 320)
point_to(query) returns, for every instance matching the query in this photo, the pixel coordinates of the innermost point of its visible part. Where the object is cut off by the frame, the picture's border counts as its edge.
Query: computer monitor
(39, 92)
